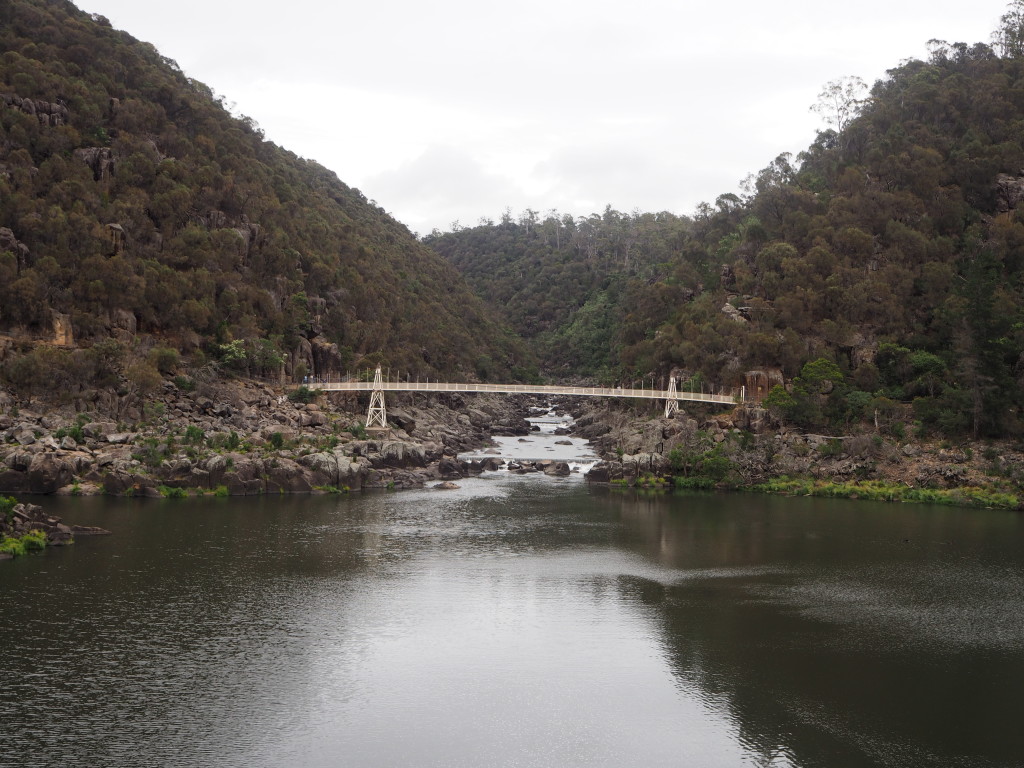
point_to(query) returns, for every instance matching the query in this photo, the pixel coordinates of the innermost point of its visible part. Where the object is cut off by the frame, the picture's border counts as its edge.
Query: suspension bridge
(376, 416)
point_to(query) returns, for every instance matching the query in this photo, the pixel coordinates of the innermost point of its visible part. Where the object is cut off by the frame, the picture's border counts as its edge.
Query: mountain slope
(564, 284)
(133, 205)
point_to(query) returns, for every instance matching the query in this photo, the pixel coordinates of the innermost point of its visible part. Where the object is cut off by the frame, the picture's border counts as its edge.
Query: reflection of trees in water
(809, 688)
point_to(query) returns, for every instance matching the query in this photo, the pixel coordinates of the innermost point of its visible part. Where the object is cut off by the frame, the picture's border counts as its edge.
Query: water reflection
(518, 621)
(889, 636)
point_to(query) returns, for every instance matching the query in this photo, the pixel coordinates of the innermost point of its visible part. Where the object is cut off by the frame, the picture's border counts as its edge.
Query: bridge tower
(377, 414)
(671, 404)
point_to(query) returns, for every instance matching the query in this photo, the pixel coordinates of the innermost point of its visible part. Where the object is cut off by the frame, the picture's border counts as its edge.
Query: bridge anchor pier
(377, 413)
(671, 404)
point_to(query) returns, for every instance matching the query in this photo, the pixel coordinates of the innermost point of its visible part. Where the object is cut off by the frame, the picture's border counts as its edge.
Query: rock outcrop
(243, 439)
(25, 518)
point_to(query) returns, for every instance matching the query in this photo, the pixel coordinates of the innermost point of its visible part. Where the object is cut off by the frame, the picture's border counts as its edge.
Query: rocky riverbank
(242, 438)
(743, 448)
(22, 521)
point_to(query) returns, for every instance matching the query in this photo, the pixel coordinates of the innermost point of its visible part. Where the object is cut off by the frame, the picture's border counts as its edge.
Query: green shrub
(172, 493)
(74, 431)
(694, 483)
(194, 435)
(276, 440)
(302, 394)
(164, 359)
(151, 452)
(7, 506)
(184, 383)
(831, 449)
(358, 431)
(152, 411)
(221, 491)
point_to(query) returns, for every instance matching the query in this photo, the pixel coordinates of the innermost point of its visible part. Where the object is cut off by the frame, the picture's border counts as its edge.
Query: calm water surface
(519, 621)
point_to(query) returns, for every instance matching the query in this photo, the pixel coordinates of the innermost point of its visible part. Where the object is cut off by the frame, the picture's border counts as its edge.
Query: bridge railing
(326, 383)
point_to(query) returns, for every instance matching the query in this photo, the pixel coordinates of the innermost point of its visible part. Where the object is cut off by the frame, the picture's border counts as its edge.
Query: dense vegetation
(136, 210)
(881, 270)
(563, 282)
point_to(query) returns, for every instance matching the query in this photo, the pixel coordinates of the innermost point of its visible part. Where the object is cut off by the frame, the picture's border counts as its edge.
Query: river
(517, 621)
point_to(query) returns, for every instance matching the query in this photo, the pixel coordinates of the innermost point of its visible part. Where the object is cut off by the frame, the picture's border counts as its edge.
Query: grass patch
(332, 488)
(33, 541)
(651, 481)
(876, 490)
(694, 483)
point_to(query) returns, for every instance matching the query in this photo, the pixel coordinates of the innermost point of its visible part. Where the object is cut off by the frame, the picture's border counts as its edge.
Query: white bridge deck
(529, 389)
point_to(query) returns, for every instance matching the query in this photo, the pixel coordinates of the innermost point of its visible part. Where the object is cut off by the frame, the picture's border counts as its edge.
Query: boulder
(312, 419)
(12, 481)
(351, 472)
(18, 461)
(398, 454)
(239, 485)
(479, 419)
(99, 159)
(47, 473)
(322, 468)
(556, 468)
(99, 429)
(604, 471)
(402, 420)
(286, 476)
(449, 468)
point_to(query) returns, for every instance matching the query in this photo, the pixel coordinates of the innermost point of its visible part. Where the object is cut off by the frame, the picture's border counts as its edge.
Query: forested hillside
(563, 282)
(881, 271)
(135, 211)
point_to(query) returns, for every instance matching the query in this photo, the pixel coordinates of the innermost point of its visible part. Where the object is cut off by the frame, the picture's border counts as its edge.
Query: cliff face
(134, 206)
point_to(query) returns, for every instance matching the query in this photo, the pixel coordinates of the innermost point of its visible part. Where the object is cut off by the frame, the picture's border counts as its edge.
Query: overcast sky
(456, 109)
